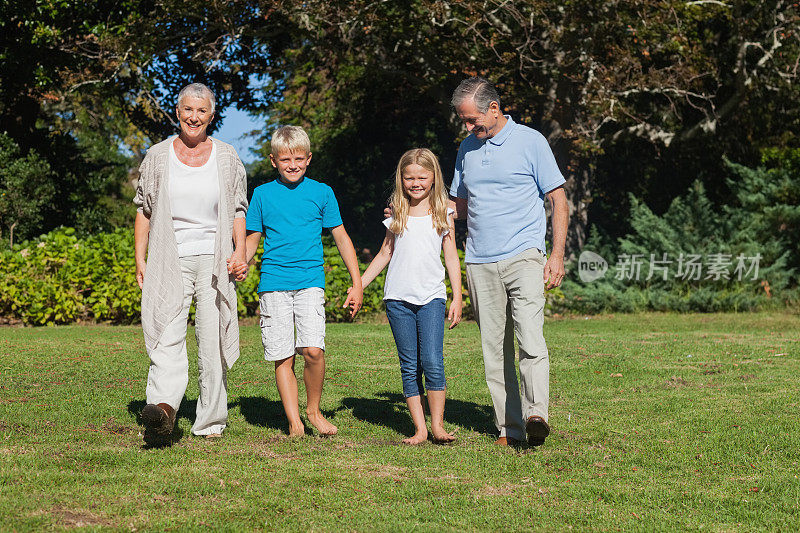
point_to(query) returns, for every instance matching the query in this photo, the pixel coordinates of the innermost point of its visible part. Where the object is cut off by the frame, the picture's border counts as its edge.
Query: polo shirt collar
(503, 134)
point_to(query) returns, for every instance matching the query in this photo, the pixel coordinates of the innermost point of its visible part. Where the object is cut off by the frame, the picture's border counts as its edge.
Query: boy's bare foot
(321, 423)
(418, 438)
(440, 436)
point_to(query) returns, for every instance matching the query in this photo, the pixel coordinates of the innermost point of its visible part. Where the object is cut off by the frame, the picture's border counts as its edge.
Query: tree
(79, 81)
(666, 87)
(25, 188)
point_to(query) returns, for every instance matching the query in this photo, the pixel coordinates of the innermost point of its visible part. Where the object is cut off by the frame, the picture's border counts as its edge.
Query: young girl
(414, 292)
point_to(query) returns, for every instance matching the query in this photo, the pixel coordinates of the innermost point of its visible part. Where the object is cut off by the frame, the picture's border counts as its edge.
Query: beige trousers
(508, 299)
(169, 362)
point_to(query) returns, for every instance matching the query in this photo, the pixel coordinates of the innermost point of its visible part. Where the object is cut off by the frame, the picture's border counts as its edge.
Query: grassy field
(660, 422)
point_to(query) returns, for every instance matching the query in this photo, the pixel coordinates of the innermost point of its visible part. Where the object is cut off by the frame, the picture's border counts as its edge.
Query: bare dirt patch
(504, 489)
(71, 518)
(676, 382)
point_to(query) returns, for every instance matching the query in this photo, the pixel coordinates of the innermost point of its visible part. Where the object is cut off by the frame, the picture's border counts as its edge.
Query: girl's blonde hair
(437, 199)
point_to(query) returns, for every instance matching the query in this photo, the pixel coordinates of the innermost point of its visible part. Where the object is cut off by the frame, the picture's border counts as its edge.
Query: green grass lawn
(660, 422)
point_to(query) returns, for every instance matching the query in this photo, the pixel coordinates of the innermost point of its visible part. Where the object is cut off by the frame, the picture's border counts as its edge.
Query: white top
(194, 202)
(416, 273)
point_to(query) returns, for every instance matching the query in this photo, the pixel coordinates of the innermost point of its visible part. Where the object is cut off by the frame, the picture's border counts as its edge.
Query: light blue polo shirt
(504, 180)
(291, 218)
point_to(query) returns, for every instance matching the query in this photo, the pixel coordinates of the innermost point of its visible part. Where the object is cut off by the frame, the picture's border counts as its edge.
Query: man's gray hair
(198, 90)
(477, 89)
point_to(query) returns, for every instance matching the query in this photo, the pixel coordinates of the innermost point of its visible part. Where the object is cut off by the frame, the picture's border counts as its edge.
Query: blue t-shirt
(291, 218)
(504, 180)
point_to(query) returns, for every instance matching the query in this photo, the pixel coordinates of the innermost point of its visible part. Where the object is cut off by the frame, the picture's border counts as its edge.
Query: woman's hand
(140, 268)
(454, 315)
(237, 265)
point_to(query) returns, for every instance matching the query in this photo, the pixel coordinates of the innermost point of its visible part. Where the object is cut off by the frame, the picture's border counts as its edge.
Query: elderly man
(503, 172)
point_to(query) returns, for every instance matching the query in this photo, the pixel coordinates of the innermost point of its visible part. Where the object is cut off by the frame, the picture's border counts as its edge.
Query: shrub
(60, 278)
(763, 222)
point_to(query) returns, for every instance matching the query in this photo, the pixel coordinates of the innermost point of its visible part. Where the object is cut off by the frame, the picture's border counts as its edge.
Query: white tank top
(194, 201)
(416, 273)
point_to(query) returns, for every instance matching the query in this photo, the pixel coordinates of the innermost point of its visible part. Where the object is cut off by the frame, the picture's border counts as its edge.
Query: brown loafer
(159, 421)
(537, 429)
(507, 441)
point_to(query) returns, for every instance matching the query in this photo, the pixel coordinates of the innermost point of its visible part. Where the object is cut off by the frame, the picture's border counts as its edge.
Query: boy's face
(291, 165)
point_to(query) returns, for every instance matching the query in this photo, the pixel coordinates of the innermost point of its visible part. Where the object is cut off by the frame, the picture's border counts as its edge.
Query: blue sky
(234, 129)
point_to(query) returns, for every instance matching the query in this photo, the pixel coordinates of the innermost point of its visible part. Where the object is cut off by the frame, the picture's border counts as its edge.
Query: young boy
(291, 212)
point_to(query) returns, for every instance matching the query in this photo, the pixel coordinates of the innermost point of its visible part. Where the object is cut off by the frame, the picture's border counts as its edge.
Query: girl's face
(417, 182)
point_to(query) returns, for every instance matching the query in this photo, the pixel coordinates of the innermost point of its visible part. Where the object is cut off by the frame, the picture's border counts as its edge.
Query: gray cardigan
(162, 292)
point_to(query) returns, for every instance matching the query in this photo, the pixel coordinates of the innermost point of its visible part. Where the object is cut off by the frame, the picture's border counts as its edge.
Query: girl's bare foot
(297, 430)
(321, 423)
(418, 438)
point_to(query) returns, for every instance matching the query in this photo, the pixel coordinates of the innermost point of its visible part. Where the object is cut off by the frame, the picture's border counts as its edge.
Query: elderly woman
(192, 201)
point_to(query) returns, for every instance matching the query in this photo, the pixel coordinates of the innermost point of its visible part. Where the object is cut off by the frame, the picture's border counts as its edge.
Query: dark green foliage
(763, 220)
(61, 278)
(25, 189)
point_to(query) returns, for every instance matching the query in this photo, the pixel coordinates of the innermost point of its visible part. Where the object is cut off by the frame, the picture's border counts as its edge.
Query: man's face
(482, 125)
(291, 165)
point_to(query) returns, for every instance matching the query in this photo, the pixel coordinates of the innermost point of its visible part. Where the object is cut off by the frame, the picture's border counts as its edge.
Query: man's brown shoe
(507, 441)
(537, 430)
(159, 420)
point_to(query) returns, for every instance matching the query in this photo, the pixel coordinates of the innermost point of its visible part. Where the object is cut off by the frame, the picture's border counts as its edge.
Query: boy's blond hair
(437, 199)
(290, 139)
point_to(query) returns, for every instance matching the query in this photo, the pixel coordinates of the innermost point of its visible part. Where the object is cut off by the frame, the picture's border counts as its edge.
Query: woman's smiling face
(194, 115)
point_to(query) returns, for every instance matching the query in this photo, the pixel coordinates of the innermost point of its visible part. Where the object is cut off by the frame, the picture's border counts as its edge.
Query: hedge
(61, 278)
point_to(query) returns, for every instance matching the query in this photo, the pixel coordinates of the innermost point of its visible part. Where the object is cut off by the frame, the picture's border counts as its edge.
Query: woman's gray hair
(198, 90)
(478, 90)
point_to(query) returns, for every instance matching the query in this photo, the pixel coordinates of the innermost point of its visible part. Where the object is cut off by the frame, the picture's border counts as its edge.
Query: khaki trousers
(508, 299)
(169, 363)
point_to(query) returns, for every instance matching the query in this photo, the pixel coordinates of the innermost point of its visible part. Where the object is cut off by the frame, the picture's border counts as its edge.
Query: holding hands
(354, 300)
(237, 265)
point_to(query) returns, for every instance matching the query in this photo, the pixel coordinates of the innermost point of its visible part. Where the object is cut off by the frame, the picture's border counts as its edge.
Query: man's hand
(554, 271)
(554, 267)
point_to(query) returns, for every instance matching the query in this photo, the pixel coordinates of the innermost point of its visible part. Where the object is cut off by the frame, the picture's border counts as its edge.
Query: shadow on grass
(389, 410)
(263, 412)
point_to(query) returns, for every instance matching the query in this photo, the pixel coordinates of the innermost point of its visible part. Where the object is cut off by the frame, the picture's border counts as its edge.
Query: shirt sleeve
(240, 198)
(253, 218)
(330, 210)
(457, 188)
(545, 169)
(142, 200)
(450, 213)
(388, 222)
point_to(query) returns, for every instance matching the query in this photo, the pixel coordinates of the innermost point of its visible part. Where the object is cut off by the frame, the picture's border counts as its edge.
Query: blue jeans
(419, 335)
